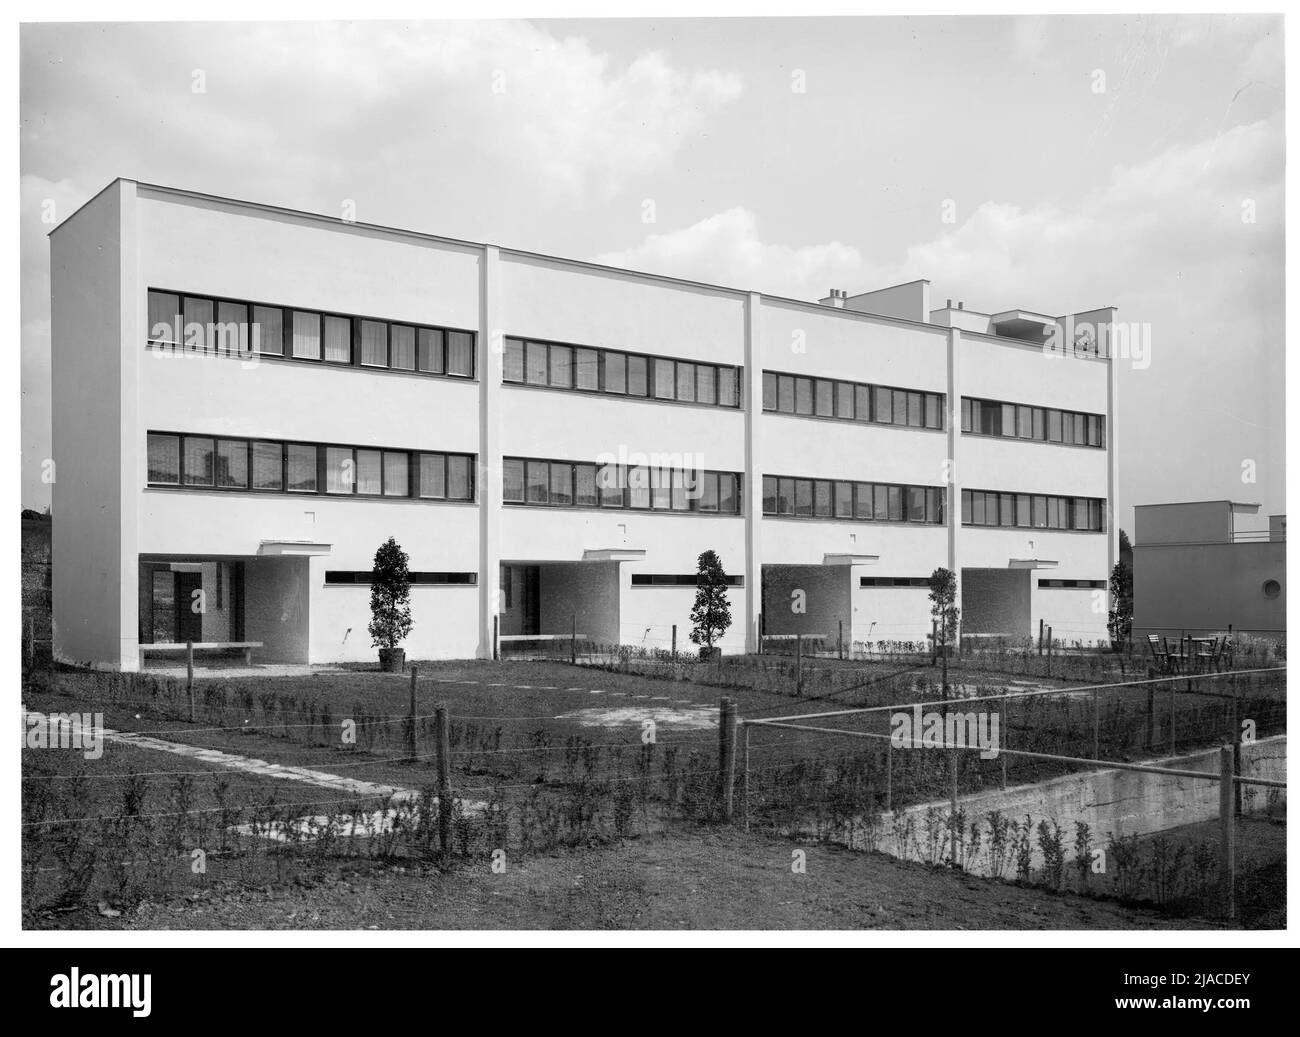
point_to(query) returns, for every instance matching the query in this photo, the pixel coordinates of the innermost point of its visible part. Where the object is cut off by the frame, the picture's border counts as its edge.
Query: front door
(189, 607)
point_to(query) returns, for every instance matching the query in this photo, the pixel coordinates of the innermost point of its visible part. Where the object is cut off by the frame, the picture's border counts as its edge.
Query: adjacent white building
(248, 400)
(1197, 570)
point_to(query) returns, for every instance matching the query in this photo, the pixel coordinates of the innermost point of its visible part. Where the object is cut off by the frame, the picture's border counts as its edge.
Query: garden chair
(1160, 653)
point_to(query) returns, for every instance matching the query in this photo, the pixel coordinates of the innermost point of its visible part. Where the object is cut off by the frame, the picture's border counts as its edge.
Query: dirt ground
(685, 880)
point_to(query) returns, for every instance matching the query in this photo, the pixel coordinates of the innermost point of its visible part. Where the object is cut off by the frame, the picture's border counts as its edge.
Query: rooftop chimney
(836, 298)
(950, 304)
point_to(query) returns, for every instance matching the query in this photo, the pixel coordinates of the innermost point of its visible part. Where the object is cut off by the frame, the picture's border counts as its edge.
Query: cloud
(728, 249)
(1188, 243)
(277, 97)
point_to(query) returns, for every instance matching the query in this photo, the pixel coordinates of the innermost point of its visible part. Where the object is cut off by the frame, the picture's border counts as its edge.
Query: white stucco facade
(577, 565)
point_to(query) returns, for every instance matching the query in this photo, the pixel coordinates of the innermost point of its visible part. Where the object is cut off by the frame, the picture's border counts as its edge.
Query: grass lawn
(697, 879)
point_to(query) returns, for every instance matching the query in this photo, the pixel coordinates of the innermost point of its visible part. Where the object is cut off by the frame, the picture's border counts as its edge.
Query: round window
(1272, 588)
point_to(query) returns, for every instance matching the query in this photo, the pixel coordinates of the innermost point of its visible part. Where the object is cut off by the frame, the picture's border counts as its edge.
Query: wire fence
(463, 787)
(1062, 805)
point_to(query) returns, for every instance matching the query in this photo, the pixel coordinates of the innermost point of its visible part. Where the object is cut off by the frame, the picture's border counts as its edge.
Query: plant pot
(707, 655)
(392, 660)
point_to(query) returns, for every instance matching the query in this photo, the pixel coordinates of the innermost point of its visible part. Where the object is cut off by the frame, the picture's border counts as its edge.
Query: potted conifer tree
(390, 605)
(711, 612)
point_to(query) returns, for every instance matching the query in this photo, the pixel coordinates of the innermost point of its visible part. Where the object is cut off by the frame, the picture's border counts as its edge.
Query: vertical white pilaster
(753, 497)
(131, 453)
(953, 418)
(490, 347)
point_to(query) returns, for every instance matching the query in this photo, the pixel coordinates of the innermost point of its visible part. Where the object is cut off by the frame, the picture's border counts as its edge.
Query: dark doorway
(189, 614)
(521, 600)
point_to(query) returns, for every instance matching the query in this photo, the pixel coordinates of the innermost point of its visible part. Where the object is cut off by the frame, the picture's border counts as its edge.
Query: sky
(1054, 164)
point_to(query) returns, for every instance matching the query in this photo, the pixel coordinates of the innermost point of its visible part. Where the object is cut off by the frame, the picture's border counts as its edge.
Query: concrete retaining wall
(1110, 802)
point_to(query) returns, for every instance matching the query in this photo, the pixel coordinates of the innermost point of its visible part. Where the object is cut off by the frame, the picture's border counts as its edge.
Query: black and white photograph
(742, 471)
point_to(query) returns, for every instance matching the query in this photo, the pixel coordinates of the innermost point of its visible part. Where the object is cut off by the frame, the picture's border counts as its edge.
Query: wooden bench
(171, 647)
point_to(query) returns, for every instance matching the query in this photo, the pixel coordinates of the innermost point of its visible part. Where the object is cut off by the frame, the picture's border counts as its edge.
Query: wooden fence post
(744, 782)
(674, 642)
(840, 641)
(798, 664)
(1173, 717)
(1236, 744)
(496, 638)
(955, 762)
(889, 776)
(573, 641)
(1096, 726)
(1040, 637)
(727, 756)
(1227, 836)
(1049, 651)
(444, 777)
(1005, 735)
(189, 675)
(410, 734)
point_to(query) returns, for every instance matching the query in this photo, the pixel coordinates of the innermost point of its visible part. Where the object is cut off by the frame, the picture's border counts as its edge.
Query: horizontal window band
(894, 581)
(362, 576)
(846, 500)
(1089, 584)
(1000, 419)
(211, 325)
(612, 486)
(1002, 509)
(572, 367)
(807, 396)
(677, 580)
(225, 464)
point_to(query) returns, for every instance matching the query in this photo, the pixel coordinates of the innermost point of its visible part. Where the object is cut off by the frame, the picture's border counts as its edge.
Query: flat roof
(524, 253)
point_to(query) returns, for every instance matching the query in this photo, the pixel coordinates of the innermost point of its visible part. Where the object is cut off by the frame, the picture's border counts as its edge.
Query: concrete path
(375, 822)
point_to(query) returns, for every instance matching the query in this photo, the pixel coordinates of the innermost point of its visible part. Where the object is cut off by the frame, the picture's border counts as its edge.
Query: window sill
(239, 491)
(600, 394)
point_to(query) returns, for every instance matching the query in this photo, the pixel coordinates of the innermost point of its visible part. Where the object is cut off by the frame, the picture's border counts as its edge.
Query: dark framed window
(401, 346)
(301, 461)
(164, 317)
(232, 463)
(586, 369)
(665, 379)
(562, 367)
(803, 396)
(535, 362)
(430, 353)
(616, 373)
(268, 465)
(512, 480)
(268, 330)
(460, 477)
(460, 354)
(537, 482)
(785, 394)
(638, 376)
(164, 459)
(584, 486)
(198, 316)
(198, 458)
(824, 398)
(306, 335)
(337, 339)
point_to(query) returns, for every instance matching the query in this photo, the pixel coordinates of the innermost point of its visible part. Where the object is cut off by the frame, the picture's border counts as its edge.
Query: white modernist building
(248, 400)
